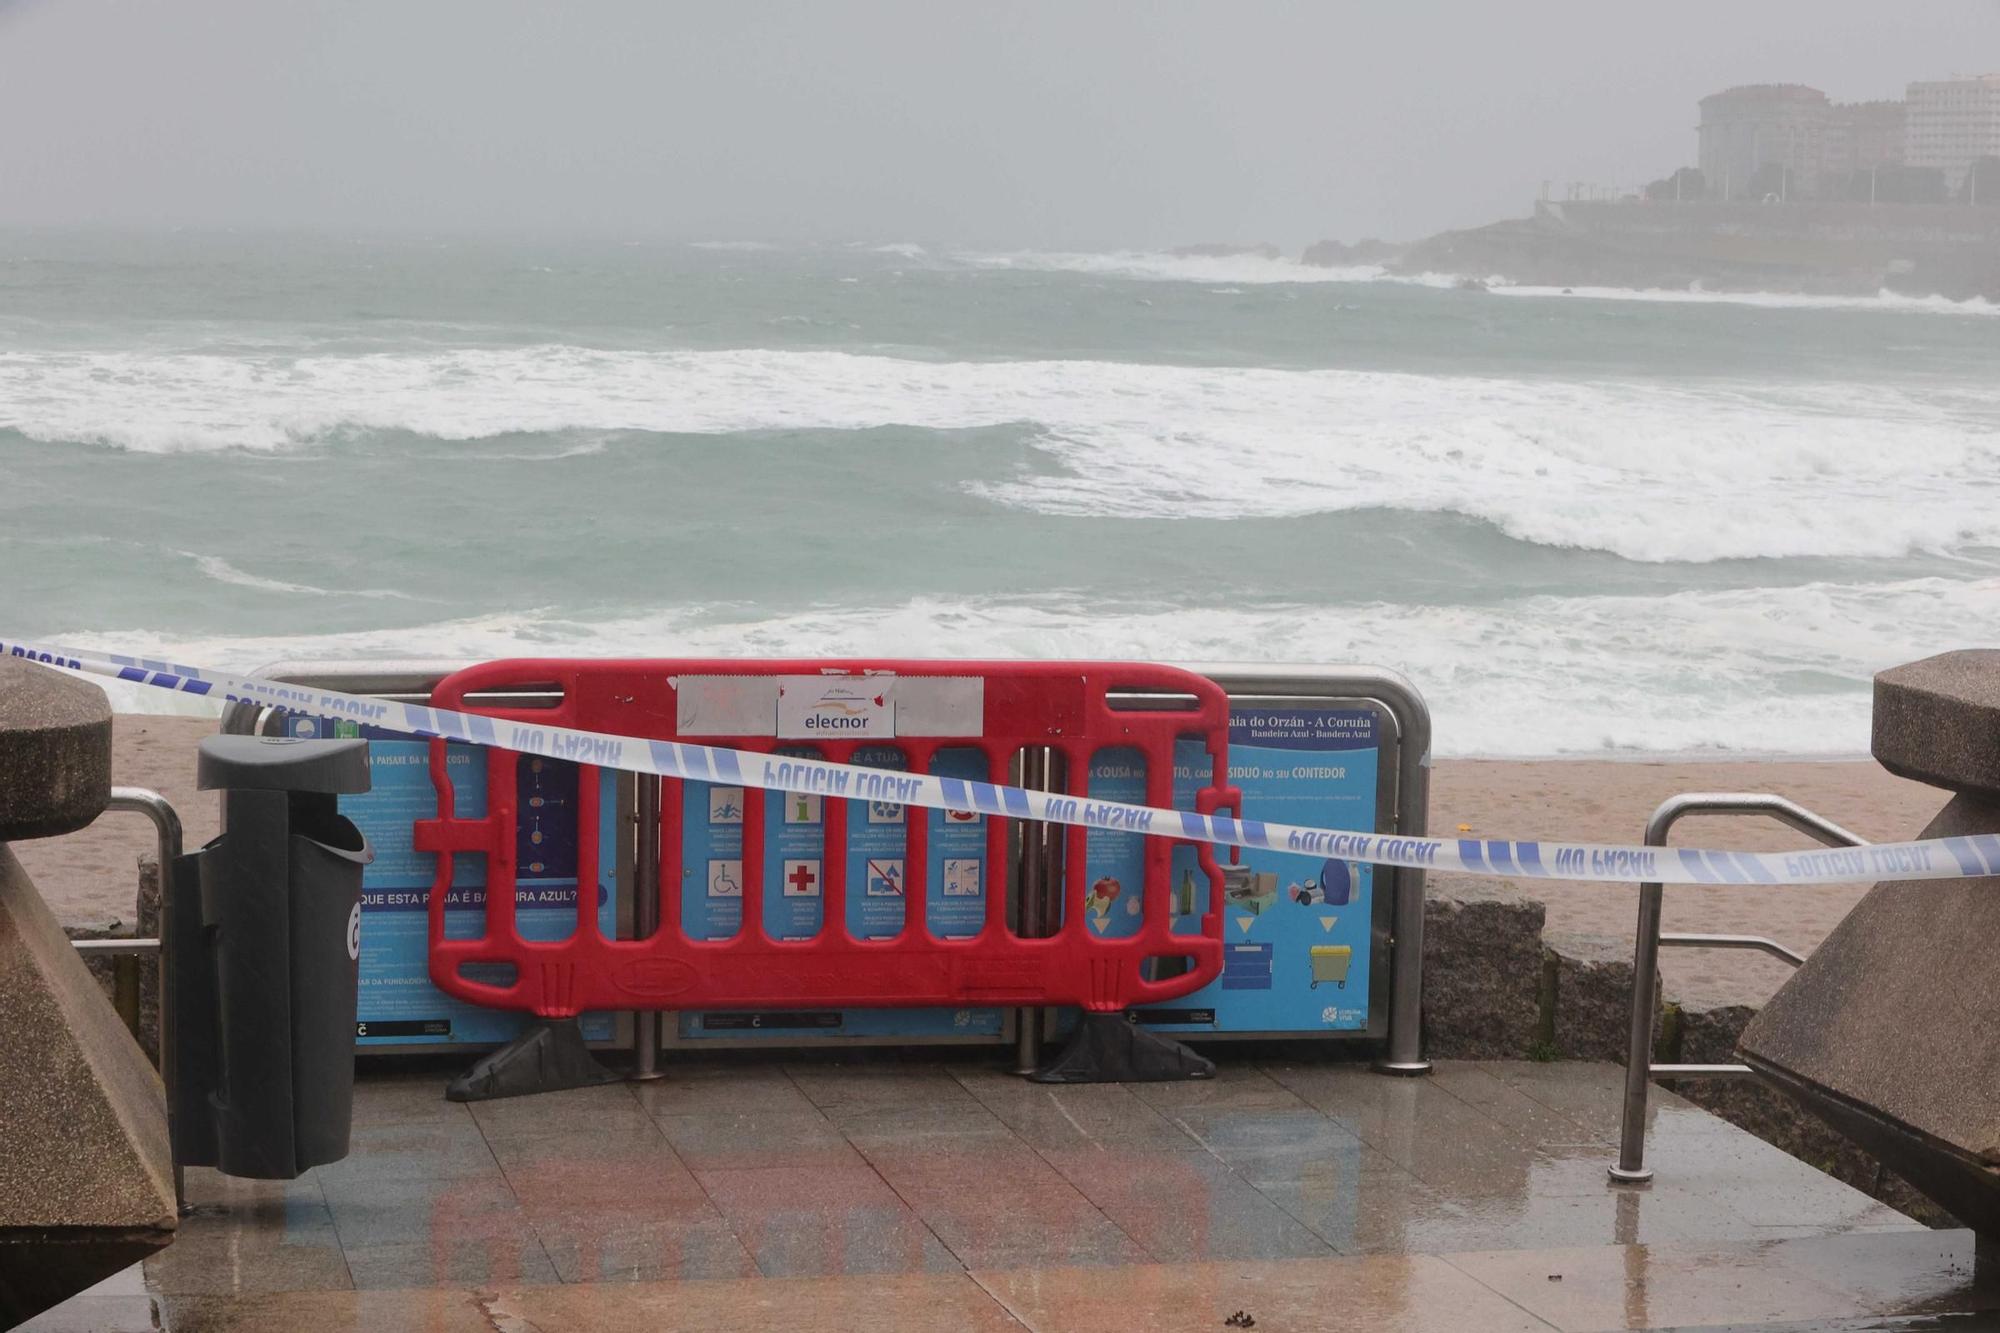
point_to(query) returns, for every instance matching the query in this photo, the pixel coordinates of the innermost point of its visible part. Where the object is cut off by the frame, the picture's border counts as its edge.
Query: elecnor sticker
(841, 708)
(397, 1004)
(1297, 929)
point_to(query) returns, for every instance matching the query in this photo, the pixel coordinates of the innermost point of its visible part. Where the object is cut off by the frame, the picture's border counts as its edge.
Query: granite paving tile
(1184, 1204)
(718, 1141)
(821, 1221)
(1405, 1294)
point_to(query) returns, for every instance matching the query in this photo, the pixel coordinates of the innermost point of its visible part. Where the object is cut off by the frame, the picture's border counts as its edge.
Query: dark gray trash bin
(266, 935)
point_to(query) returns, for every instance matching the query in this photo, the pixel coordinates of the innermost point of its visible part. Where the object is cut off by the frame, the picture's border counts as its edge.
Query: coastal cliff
(1829, 248)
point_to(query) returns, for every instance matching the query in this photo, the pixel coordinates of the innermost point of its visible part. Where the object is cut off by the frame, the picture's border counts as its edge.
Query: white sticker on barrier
(1935, 858)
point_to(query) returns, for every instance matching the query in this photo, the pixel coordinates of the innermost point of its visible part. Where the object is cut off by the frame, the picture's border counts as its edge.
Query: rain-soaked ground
(887, 1193)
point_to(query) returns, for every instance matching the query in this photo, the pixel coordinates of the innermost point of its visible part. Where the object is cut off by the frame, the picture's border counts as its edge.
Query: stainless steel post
(646, 920)
(1631, 1168)
(167, 827)
(1413, 803)
(1032, 914)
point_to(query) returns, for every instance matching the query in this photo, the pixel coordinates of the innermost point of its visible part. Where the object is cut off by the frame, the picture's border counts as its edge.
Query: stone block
(1482, 968)
(1938, 720)
(115, 975)
(55, 751)
(1709, 1036)
(1591, 994)
(1891, 1030)
(86, 1180)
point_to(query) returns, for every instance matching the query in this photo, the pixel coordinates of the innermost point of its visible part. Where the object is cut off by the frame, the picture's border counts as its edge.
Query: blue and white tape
(1937, 858)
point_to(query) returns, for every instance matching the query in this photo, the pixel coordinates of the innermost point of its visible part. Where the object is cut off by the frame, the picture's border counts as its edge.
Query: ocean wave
(1646, 470)
(1253, 270)
(221, 571)
(1884, 300)
(1748, 671)
(1159, 266)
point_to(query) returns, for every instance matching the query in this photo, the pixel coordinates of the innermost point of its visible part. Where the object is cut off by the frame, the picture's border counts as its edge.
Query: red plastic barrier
(1077, 709)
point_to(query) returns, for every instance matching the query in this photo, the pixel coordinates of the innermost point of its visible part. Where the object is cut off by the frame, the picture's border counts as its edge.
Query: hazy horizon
(1032, 126)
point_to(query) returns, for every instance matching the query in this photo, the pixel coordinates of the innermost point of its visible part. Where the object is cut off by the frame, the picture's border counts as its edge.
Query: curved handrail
(1639, 1067)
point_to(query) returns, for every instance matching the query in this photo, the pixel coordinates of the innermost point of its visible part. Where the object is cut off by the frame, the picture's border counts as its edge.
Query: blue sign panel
(796, 851)
(398, 1006)
(1297, 930)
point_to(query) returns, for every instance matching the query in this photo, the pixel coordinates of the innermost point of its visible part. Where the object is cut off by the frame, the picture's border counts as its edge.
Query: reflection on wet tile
(623, 1167)
(998, 1205)
(726, 1089)
(407, 1099)
(820, 1221)
(1234, 1087)
(1296, 1132)
(501, 1256)
(434, 1311)
(1449, 1145)
(961, 1121)
(1413, 1293)
(844, 1087)
(1919, 1271)
(1671, 1285)
(593, 1248)
(718, 1141)
(1358, 1215)
(1579, 1091)
(1527, 1118)
(1048, 1115)
(579, 1111)
(730, 1174)
(251, 1235)
(796, 1305)
(1184, 1204)
(370, 1212)
(1537, 1221)
(411, 1151)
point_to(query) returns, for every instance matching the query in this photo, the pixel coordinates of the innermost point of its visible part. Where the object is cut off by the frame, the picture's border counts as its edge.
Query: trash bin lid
(281, 763)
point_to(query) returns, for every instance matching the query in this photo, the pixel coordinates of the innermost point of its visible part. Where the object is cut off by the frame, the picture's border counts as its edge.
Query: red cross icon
(802, 879)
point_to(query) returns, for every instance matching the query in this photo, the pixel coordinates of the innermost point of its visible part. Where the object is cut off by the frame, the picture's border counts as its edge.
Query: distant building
(1951, 123)
(1748, 128)
(1861, 136)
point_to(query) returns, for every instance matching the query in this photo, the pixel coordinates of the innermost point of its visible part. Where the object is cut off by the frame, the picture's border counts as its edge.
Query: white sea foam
(1651, 471)
(1884, 300)
(1245, 269)
(1534, 676)
(1250, 269)
(215, 567)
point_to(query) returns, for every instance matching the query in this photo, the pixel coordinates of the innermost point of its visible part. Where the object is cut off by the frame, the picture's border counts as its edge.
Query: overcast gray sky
(1036, 124)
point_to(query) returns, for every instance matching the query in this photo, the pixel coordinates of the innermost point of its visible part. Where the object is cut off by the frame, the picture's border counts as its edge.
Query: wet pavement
(947, 1194)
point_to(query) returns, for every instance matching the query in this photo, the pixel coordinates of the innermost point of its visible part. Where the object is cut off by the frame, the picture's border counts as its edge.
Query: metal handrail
(1640, 1070)
(171, 840)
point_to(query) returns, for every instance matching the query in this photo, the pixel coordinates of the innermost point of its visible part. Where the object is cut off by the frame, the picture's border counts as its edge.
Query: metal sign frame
(1406, 812)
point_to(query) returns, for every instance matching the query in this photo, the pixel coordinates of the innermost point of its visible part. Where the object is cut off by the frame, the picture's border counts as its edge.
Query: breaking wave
(1652, 471)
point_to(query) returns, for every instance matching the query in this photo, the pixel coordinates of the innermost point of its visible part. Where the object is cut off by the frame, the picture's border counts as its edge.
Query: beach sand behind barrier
(91, 877)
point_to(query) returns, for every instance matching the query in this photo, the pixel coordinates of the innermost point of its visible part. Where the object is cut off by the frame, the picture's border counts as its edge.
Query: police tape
(1936, 858)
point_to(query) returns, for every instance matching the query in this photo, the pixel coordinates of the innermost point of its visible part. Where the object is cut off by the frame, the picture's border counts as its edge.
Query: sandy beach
(90, 876)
